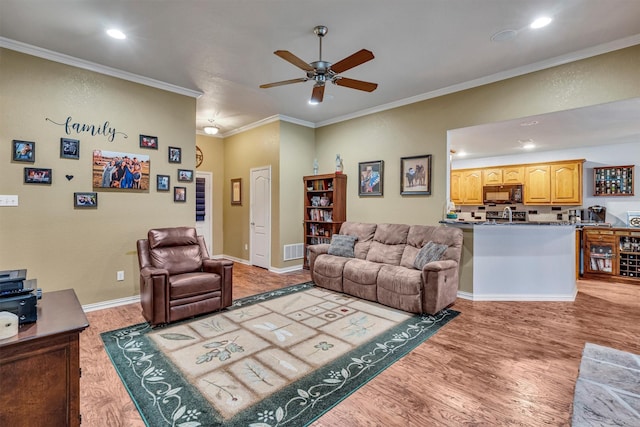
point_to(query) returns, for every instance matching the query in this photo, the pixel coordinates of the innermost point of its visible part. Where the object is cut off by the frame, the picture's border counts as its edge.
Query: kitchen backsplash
(535, 213)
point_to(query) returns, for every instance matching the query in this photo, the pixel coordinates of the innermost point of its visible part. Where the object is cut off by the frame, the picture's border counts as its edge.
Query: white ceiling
(224, 48)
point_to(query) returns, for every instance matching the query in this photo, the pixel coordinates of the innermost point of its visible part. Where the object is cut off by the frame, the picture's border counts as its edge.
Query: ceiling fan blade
(354, 60)
(317, 94)
(291, 58)
(356, 84)
(284, 82)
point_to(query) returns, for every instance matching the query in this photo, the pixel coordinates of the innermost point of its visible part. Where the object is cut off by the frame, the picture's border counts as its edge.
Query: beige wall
(421, 128)
(213, 162)
(250, 149)
(297, 151)
(65, 247)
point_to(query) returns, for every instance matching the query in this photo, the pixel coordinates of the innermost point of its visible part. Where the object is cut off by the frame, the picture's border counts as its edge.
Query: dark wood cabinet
(40, 367)
(613, 181)
(325, 208)
(612, 254)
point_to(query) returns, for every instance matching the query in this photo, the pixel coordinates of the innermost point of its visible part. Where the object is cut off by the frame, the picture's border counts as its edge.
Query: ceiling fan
(322, 71)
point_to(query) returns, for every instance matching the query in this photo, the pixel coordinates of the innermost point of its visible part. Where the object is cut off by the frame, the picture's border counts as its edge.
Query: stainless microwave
(502, 194)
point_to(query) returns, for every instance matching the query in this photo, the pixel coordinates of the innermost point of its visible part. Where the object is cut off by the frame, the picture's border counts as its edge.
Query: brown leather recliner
(177, 278)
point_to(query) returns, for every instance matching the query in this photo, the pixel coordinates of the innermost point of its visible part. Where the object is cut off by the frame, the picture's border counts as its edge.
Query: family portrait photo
(185, 175)
(85, 200)
(37, 176)
(121, 171)
(23, 151)
(69, 148)
(147, 141)
(162, 182)
(175, 155)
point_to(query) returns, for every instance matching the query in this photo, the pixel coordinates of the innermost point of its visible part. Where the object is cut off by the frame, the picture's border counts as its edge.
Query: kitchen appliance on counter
(595, 214)
(502, 194)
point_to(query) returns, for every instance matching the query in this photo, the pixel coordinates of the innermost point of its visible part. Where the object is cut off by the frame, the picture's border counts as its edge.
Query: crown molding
(97, 68)
(271, 119)
(514, 72)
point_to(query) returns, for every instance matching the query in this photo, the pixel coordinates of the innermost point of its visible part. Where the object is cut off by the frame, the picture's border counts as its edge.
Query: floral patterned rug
(280, 358)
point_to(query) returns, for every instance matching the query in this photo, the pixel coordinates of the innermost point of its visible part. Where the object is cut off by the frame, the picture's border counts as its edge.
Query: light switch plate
(8, 200)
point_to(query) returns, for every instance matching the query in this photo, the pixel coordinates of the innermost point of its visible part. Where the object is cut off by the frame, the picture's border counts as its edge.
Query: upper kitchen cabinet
(466, 187)
(537, 185)
(492, 176)
(566, 183)
(513, 175)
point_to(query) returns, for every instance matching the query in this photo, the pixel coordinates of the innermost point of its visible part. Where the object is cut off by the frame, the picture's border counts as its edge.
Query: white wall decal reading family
(74, 127)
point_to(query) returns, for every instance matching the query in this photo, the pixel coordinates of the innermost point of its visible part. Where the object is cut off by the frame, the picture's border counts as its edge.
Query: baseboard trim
(111, 303)
(465, 295)
(286, 269)
(247, 262)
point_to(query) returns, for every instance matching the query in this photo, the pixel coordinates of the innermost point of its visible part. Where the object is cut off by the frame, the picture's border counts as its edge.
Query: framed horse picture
(415, 175)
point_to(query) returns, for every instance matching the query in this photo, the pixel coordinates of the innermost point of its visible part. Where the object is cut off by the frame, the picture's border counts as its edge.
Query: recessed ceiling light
(527, 144)
(530, 123)
(116, 34)
(504, 35)
(312, 102)
(543, 21)
(461, 153)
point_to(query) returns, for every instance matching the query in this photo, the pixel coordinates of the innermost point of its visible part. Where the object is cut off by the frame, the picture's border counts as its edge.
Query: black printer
(19, 295)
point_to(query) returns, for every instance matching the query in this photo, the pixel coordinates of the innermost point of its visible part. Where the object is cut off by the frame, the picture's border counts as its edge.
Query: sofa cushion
(430, 252)
(342, 245)
(364, 232)
(400, 288)
(385, 254)
(360, 277)
(391, 234)
(327, 271)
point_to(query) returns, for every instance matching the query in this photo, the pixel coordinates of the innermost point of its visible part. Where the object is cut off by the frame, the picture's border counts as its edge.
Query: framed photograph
(163, 182)
(180, 194)
(415, 175)
(185, 175)
(236, 191)
(69, 148)
(150, 142)
(175, 155)
(37, 176)
(120, 171)
(85, 200)
(23, 151)
(371, 177)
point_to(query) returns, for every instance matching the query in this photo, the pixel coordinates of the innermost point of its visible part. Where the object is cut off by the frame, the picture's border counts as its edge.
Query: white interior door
(260, 216)
(203, 205)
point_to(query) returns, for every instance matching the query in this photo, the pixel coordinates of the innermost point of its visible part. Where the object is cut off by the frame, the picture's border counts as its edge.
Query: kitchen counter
(519, 261)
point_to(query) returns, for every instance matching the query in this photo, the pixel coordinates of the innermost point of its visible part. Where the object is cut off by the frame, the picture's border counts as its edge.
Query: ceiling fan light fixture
(211, 130)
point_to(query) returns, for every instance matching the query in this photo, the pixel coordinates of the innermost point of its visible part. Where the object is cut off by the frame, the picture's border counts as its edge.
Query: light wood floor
(496, 364)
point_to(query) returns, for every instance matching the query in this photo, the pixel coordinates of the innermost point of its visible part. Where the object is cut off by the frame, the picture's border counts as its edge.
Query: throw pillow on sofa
(429, 252)
(342, 245)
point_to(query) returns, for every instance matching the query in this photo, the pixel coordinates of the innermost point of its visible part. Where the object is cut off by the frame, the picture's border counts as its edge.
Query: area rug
(282, 358)
(608, 388)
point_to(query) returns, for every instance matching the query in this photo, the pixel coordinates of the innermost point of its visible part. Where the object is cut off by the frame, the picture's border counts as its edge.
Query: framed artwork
(120, 171)
(85, 200)
(163, 182)
(23, 151)
(415, 175)
(69, 148)
(147, 141)
(185, 175)
(236, 191)
(180, 194)
(371, 178)
(175, 155)
(37, 176)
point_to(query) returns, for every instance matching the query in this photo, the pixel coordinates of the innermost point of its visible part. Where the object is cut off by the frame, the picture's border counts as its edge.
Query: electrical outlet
(246, 247)
(120, 276)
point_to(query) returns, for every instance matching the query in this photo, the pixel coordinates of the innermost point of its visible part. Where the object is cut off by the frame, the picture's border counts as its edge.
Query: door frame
(208, 238)
(268, 199)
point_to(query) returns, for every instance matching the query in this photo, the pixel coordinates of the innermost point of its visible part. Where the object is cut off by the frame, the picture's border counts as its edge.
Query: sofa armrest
(224, 268)
(440, 280)
(154, 294)
(440, 265)
(314, 252)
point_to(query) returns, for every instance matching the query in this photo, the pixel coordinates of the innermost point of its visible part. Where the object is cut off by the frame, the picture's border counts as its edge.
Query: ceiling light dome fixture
(211, 129)
(116, 34)
(543, 21)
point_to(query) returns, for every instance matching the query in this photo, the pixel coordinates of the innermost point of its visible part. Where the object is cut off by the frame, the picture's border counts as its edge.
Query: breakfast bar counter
(518, 261)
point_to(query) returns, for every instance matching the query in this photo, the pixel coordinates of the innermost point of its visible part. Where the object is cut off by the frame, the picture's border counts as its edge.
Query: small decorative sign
(71, 127)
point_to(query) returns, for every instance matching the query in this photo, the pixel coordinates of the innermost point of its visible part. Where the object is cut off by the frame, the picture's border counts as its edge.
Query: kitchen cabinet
(612, 254)
(325, 208)
(492, 176)
(513, 175)
(566, 183)
(466, 187)
(537, 185)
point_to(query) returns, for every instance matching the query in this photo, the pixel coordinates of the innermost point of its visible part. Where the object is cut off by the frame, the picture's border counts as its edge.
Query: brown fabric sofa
(177, 278)
(383, 271)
